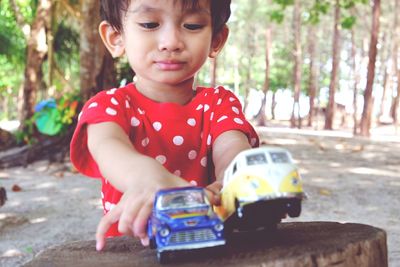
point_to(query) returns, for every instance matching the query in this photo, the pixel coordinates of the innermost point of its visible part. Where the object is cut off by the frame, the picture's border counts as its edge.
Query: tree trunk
(368, 101)
(300, 244)
(330, 109)
(297, 64)
(396, 99)
(261, 117)
(92, 50)
(312, 84)
(36, 51)
(356, 77)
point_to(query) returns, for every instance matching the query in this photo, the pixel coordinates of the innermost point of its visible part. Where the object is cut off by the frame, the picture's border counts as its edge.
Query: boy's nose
(171, 40)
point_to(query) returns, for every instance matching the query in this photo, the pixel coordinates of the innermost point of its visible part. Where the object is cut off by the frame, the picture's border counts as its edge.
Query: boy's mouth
(169, 64)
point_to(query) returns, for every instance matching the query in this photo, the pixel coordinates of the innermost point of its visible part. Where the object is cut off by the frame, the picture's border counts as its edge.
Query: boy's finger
(140, 224)
(214, 198)
(103, 226)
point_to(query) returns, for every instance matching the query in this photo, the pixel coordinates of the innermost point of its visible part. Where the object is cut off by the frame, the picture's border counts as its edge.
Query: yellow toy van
(260, 187)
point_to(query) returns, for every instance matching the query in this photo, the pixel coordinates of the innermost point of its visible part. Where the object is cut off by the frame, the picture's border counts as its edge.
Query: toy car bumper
(251, 199)
(192, 245)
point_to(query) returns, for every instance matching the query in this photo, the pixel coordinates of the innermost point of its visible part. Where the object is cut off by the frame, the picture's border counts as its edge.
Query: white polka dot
(216, 91)
(253, 141)
(102, 195)
(209, 139)
(157, 126)
(193, 182)
(199, 107)
(205, 94)
(145, 142)
(219, 101)
(111, 111)
(192, 154)
(112, 206)
(80, 115)
(206, 108)
(178, 140)
(141, 112)
(212, 116)
(236, 110)
(231, 99)
(162, 159)
(93, 105)
(203, 162)
(238, 121)
(178, 173)
(135, 122)
(222, 118)
(191, 122)
(114, 101)
(111, 91)
(127, 105)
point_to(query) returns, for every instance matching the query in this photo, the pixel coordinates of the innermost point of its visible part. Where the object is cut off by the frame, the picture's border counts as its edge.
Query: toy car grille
(192, 236)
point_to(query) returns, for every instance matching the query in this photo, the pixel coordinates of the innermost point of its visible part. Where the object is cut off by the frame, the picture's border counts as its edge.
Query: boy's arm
(137, 176)
(225, 148)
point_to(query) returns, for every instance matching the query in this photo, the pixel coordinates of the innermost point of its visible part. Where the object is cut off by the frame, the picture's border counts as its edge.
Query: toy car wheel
(294, 208)
(239, 210)
(162, 257)
(152, 243)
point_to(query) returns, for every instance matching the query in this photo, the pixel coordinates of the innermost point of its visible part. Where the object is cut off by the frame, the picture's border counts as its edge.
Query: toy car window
(279, 157)
(185, 199)
(256, 159)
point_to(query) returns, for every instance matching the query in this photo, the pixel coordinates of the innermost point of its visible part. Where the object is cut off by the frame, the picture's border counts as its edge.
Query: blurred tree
(368, 100)
(295, 120)
(36, 51)
(330, 109)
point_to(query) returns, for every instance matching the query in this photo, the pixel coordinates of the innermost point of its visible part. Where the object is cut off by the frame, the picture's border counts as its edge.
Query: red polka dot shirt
(180, 137)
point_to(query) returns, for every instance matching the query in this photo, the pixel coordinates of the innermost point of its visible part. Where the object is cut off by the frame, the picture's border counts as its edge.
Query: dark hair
(113, 10)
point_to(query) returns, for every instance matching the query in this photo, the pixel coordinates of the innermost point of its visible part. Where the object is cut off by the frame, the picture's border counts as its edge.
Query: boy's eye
(149, 25)
(193, 27)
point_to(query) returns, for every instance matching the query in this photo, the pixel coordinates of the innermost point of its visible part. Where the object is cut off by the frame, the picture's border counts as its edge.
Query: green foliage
(66, 45)
(281, 68)
(317, 9)
(348, 22)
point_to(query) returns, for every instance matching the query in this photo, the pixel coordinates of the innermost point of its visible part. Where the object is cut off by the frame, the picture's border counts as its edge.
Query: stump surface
(293, 244)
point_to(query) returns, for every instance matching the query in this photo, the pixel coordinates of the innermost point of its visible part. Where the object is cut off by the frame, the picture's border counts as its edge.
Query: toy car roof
(177, 189)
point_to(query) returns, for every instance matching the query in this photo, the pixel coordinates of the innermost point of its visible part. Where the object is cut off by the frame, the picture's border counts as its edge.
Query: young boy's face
(165, 43)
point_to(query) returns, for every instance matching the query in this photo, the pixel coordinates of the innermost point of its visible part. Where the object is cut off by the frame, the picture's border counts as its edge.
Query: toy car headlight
(164, 232)
(219, 227)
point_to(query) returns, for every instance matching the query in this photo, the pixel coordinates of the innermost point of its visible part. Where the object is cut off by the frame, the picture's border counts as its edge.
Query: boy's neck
(178, 93)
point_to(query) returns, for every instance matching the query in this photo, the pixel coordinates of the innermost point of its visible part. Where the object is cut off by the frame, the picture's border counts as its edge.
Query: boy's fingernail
(145, 241)
(98, 246)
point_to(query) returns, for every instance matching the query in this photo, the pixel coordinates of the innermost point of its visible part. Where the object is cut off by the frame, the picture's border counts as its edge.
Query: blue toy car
(183, 219)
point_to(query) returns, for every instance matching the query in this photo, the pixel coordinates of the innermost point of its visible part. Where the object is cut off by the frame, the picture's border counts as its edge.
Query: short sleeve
(228, 115)
(106, 106)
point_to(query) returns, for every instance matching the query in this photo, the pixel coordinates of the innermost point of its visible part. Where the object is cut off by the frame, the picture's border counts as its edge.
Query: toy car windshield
(279, 157)
(181, 200)
(256, 159)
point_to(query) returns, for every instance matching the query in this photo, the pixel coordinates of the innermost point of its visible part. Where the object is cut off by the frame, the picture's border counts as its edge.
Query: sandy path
(347, 180)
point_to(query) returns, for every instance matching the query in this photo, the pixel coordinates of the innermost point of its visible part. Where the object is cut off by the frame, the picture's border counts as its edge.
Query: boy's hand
(213, 192)
(133, 212)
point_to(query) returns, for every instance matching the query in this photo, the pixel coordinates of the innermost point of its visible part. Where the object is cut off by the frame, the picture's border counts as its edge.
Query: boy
(159, 131)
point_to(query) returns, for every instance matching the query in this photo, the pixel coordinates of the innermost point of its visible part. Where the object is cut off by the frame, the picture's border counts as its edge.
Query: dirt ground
(347, 180)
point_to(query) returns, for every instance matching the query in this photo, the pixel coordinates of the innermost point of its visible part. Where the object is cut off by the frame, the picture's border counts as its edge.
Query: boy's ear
(112, 39)
(218, 41)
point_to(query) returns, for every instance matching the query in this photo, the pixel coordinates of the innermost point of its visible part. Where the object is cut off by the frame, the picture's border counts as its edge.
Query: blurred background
(315, 64)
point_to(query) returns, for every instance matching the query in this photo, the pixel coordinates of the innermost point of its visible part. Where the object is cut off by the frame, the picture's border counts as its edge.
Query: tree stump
(292, 244)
